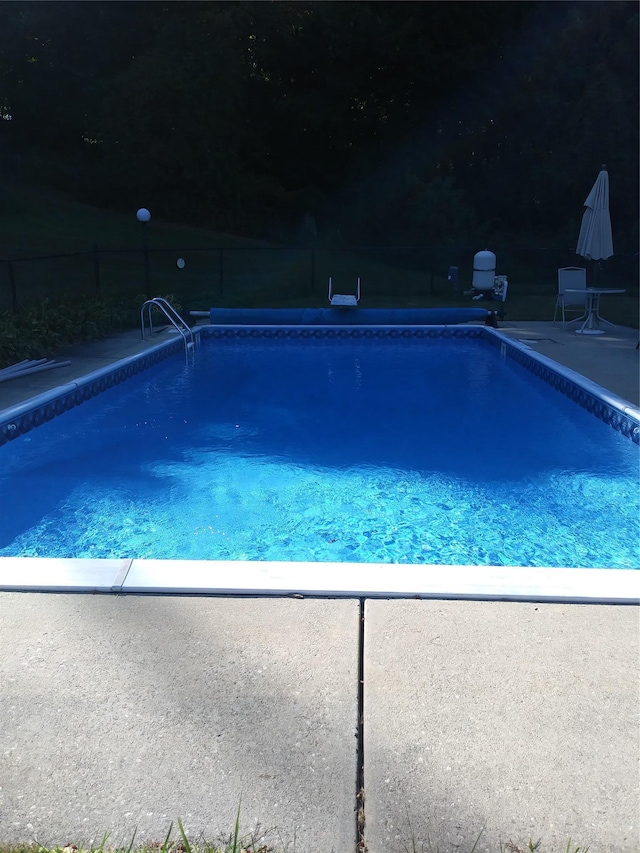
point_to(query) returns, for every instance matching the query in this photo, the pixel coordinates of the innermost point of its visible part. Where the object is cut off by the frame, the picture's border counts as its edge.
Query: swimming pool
(348, 451)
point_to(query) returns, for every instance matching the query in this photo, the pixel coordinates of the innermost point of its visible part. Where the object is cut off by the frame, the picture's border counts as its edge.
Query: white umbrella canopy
(595, 241)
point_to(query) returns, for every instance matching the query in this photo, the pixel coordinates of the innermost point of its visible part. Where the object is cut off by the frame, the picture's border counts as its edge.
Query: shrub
(39, 330)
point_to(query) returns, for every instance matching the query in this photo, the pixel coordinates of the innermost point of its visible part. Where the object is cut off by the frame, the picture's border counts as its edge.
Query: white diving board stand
(344, 300)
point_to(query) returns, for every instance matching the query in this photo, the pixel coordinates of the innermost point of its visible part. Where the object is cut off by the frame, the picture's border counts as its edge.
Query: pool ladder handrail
(172, 316)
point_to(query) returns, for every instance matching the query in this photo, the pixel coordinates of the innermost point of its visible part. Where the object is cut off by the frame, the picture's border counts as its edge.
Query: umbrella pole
(595, 273)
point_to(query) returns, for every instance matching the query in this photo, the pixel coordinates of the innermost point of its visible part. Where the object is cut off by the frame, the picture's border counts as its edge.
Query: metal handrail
(172, 316)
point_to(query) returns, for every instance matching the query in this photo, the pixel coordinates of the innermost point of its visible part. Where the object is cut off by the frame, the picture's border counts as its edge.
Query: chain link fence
(267, 277)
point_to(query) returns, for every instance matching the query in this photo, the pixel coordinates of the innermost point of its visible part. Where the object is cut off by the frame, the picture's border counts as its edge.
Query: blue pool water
(419, 451)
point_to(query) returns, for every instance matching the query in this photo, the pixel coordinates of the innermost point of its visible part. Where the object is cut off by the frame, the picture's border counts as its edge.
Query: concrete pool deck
(610, 360)
(126, 711)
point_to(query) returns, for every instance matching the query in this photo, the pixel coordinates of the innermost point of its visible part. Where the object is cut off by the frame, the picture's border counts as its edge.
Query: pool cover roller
(345, 316)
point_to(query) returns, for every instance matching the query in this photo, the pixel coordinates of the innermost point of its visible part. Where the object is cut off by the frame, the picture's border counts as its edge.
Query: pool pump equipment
(486, 285)
(484, 271)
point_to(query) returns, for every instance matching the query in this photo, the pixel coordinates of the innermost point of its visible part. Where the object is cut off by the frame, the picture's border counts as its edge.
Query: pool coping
(352, 580)
(609, 407)
(313, 579)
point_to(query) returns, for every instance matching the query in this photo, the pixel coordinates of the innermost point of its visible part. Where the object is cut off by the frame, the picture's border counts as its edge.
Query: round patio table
(592, 309)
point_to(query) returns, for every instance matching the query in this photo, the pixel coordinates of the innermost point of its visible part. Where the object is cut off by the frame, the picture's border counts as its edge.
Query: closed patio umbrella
(595, 241)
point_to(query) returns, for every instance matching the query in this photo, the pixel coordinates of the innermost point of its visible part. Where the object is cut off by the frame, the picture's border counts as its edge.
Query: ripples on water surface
(418, 451)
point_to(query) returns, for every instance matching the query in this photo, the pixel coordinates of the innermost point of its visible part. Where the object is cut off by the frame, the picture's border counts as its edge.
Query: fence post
(96, 268)
(12, 285)
(145, 251)
(221, 272)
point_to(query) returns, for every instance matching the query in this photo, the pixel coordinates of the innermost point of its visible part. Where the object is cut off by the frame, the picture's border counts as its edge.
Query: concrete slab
(522, 718)
(124, 712)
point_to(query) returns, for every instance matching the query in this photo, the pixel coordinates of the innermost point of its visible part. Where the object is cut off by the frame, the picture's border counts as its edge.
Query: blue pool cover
(345, 316)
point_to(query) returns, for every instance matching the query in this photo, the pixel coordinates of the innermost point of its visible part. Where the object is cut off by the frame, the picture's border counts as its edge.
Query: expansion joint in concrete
(361, 845)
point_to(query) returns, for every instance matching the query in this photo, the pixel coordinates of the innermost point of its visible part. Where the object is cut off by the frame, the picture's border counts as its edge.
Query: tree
(388, 120)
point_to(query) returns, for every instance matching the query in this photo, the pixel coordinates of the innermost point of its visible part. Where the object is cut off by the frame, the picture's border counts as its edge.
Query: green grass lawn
(256, 842)
(228, 271)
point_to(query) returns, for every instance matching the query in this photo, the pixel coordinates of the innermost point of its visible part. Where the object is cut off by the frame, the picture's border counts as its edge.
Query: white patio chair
(573, 279)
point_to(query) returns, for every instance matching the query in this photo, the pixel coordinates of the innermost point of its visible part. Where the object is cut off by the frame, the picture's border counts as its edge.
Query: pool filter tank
(484, 270)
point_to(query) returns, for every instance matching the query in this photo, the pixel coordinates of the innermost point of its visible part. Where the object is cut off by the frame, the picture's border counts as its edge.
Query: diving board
(344, 300)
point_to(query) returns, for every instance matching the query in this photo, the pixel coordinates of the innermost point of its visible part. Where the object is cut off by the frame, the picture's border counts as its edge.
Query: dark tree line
(394, 122)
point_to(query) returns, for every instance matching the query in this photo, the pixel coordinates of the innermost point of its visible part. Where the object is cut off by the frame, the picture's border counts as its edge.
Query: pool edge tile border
(23, 417)
(360, 580)
(327, 580)
(596, 399)
(615, 411)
